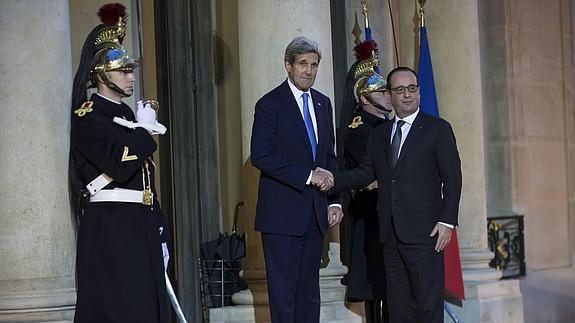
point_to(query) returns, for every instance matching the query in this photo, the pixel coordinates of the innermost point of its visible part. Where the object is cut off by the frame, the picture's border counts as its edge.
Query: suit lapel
(416, 130)
(293, 113)
(387, 142)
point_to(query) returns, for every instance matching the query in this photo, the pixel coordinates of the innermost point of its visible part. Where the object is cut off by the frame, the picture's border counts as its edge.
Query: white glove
(166, 254)
(145, 113)
(154, 129)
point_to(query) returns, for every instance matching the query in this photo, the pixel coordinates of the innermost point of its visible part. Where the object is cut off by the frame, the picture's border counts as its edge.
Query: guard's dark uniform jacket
(119, 257)
(366, 277)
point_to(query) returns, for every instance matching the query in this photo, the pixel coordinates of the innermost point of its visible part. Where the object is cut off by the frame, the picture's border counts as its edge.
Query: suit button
(393, 180)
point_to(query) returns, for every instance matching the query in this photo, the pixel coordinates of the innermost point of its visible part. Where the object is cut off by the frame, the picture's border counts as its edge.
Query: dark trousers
(292, 268)
(415, 281)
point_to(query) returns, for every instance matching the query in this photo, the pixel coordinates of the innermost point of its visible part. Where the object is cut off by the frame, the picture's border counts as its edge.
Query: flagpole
(422, 13)
(368, 37)
(365, 11)
(364, 4)
(393, 31)
(453, 277)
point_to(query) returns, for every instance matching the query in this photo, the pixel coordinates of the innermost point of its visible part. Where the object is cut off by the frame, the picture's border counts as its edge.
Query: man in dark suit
(293, 147)
(415, 161)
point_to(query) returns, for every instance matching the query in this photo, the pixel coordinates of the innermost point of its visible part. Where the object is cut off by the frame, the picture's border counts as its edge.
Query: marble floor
(549, 295)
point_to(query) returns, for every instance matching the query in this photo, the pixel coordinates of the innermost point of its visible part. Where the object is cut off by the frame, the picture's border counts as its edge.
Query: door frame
(189, 158)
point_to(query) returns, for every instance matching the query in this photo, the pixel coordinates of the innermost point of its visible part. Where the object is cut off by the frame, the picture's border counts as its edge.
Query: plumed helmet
(103, 52)
(109, 54)
(367, 80)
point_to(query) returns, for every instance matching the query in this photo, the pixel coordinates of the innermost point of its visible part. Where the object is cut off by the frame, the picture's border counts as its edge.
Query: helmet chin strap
(375, 104)
(113, 86)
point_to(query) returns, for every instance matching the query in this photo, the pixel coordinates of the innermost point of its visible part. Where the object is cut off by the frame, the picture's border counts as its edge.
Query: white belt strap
(118, 195)
(98, 183)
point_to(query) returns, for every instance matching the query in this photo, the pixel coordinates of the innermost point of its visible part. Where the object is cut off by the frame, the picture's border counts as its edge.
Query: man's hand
(372, 186)
(334, 215)
(145, 113)
(322, 178)
(443, 236)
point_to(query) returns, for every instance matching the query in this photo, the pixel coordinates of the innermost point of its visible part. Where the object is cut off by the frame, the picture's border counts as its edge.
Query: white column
(36, 230)
(262, 46)
(265, 29)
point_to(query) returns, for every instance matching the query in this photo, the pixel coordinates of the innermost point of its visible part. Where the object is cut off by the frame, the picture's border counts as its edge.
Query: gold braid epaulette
(84, 109)
(356, 122)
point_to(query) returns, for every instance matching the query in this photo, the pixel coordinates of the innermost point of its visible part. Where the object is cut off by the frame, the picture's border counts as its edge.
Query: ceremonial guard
(366, 277)
(122, 234)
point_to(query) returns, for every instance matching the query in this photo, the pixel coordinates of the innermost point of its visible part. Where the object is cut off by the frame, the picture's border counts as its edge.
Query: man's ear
(287, 65)
(363, 100)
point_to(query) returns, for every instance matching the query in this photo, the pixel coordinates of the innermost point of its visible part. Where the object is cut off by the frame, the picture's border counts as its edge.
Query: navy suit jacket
(281, 150)
(424, 187)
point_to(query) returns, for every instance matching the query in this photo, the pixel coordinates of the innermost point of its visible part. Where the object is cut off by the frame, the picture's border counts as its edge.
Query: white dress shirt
(404, 129)
(298, 95)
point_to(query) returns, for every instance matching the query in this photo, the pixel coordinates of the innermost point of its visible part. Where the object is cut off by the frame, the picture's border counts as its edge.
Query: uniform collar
(111, 108)
(104, 97)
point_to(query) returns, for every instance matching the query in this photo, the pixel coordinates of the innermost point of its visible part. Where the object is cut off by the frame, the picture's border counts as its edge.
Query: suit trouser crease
(415, 281)
(292, 268)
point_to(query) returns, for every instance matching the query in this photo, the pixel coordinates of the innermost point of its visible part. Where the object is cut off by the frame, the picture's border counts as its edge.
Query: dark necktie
(309, 124)
(396, 143)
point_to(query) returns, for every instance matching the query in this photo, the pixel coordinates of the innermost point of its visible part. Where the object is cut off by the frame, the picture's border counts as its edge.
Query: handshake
(322, 179)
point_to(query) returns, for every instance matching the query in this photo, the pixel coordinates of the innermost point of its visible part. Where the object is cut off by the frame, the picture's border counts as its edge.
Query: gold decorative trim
(109, 36)
(147, 185)
(125, 156)
(84, 109)
(356, 122)
(365, 67)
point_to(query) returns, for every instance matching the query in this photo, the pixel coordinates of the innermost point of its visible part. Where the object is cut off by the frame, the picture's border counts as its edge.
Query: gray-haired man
(293, 147)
